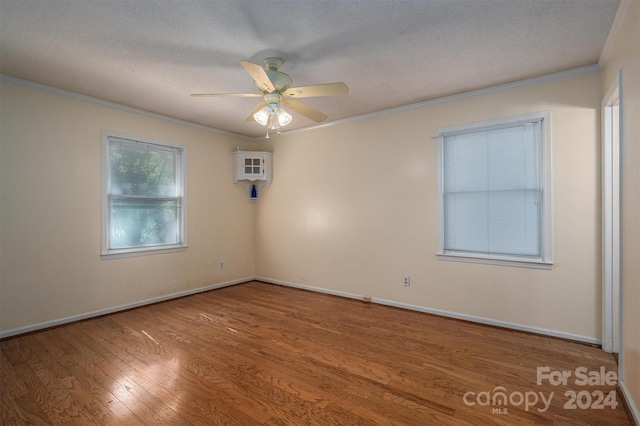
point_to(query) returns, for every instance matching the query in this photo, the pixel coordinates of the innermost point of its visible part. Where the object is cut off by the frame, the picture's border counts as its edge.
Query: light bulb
(273, 123)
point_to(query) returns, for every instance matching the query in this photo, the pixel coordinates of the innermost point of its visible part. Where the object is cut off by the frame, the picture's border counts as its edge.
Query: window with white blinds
(143, 196)
(494, 184)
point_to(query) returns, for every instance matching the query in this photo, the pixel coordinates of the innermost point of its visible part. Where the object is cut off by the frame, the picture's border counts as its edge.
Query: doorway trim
(611, 216)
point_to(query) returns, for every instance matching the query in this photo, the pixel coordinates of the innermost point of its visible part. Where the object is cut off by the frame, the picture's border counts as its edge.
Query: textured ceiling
(152, 54)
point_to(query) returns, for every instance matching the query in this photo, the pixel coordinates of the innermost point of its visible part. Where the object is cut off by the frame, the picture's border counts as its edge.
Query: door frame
(611, 218)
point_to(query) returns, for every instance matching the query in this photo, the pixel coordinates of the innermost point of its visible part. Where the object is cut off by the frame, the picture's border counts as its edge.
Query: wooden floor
(261, 354)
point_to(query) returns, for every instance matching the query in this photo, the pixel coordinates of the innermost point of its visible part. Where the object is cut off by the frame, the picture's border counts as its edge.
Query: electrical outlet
(407, 281)
(221, 265)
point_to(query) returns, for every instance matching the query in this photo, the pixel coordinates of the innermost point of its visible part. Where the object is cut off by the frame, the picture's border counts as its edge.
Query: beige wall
(625, 56)
(51, 211)
(352, 209)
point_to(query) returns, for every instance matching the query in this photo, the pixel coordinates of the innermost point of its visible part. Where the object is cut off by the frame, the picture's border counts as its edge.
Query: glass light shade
(284, 117)
(272, 116)
(262, 116)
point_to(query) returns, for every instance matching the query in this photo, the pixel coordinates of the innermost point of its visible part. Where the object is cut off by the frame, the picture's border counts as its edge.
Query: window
(143, 196)
(494, 192)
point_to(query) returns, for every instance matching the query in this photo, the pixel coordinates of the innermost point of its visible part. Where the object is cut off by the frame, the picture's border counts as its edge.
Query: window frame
(111, 253)
(546, 246)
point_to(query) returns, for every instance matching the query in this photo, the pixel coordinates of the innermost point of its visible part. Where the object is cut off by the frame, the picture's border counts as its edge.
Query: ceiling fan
(276, 91)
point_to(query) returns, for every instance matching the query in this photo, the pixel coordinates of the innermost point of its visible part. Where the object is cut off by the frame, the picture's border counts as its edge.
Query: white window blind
(492, 191)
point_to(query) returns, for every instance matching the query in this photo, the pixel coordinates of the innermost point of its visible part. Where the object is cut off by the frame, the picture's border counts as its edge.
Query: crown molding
(75, 95)
(493, 89)
(616, 27)
(508, 86)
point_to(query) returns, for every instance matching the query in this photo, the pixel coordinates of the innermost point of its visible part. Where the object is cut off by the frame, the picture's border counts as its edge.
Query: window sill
(517, 262)
(146, 251)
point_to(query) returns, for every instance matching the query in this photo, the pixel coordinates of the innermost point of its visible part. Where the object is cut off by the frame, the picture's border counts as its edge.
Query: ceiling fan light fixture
(272, 116)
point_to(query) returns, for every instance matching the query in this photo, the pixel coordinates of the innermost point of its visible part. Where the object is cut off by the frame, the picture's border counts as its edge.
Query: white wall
(51, 211)
(625, 56)
(353, 209)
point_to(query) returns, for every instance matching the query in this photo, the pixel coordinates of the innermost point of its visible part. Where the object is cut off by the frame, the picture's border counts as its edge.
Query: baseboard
(630, 404)
(311, 288)
(448, 314)
(61, 321)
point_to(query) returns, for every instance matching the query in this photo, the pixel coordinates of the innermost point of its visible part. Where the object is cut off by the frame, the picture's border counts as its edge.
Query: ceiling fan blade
(241, 95)
(256, 109)
(305, 110)
(328, 89)
(259, 75)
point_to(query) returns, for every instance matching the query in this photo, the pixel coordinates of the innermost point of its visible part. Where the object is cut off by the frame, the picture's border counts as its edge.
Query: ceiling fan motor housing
(273, 98)
(280, 80)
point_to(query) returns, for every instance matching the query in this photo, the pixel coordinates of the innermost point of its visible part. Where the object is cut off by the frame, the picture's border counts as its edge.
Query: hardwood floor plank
(98, 401)
(23, 410)
(257, 353)
(42, 383)
(225, 378)
(10, 383)
(16, 405)
(218, 372)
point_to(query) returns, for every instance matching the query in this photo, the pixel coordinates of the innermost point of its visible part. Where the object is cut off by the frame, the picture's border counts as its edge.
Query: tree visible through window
(144, 195)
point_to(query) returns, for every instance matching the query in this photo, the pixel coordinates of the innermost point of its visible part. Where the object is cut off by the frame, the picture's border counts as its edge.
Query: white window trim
(546, 246)
(139, 251)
